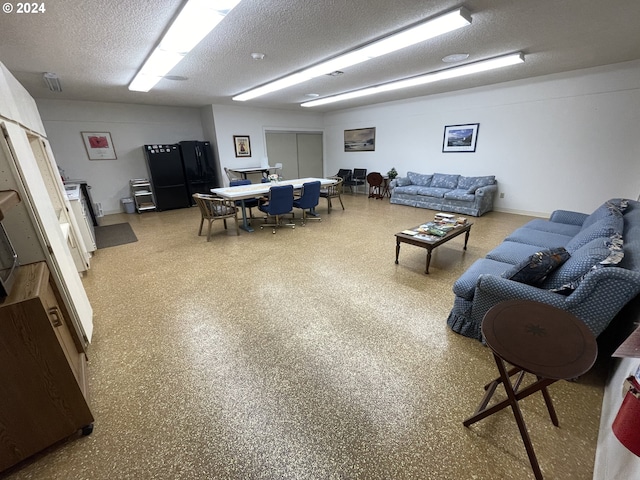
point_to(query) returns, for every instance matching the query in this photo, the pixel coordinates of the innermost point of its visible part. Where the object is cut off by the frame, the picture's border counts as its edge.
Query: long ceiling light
(405, 38)
(194, 22)
(482, 66)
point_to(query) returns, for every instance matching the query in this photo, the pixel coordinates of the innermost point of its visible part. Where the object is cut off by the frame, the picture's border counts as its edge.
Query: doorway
(300, 153)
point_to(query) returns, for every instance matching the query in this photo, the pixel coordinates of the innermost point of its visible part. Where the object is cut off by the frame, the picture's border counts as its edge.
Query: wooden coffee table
(429, 241)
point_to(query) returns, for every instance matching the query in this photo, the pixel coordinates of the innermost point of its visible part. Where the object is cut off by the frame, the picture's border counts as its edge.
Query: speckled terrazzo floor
(303, 355)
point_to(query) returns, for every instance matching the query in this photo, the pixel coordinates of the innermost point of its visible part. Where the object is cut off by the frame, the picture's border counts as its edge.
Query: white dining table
(243, 192)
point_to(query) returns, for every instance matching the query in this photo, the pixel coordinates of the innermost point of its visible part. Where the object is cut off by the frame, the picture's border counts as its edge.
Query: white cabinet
(80, 211)
(27, 166)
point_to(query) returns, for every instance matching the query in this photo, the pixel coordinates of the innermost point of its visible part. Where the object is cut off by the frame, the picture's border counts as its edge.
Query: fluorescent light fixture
(482, 66)
(52, 81)
(194, 22)
(431, 28)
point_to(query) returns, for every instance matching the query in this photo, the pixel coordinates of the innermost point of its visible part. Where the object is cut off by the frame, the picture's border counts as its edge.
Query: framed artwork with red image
(99, 145)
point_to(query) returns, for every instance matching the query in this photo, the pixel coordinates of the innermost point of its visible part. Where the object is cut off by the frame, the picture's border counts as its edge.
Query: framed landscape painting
(99, 145)
(360, 140)
(460, 138)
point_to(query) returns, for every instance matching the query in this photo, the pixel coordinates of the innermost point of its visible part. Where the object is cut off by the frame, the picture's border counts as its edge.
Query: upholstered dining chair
(375, 179)
(280, 203)
(308, 200)
(248, 202)
(215, 208)
(333, 191)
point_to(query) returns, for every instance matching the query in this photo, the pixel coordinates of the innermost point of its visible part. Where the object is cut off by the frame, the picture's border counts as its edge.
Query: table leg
(550, 409)
(245, 225)
(428, 260)
(397, 249)
(466, 238)
(518, 416)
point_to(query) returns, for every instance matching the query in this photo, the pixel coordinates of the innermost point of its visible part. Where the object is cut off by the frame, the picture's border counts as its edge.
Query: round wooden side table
(533, 337)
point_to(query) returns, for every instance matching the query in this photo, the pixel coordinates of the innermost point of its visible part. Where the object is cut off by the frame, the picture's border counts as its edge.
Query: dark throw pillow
(535, 269)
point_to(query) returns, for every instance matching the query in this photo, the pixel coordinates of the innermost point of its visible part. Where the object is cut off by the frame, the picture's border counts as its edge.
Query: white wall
(255, 122)
(131, 126)
(563, 141)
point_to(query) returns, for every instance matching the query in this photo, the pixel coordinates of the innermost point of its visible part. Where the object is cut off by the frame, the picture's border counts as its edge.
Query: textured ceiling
(96, 46)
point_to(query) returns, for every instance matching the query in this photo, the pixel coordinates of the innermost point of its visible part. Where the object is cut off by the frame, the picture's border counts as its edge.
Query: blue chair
(280, 203)
(309, 199)
(248, 202)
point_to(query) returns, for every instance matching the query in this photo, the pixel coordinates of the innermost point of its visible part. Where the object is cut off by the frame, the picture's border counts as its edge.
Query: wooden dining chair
(333, 191)
(230, 175)
(214, 208)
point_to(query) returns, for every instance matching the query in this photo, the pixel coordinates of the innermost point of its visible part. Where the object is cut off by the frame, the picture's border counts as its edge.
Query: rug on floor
(113, 235)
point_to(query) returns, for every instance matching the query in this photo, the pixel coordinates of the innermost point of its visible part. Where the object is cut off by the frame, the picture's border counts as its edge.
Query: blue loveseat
(445, 192)
(600, 276)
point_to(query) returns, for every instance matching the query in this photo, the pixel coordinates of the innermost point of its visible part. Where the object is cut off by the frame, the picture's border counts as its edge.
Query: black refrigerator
(200, 173)
(167, 176)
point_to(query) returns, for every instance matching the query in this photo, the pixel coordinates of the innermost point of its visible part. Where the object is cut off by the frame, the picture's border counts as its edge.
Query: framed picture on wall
(360, 140)
(99, 145)
(242, 145)
(460, 138)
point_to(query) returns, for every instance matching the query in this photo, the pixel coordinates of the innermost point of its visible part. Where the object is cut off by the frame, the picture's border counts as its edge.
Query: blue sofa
(600, 276)
(445, 192)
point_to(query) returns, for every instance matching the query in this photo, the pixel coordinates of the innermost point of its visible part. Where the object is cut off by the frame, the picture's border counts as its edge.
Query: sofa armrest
(498, 288)
(487, 191)
(599, 297)
(568, 217)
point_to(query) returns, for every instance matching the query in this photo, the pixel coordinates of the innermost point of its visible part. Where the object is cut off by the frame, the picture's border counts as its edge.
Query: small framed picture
(460, 138)
(242, 145)
(99, 145)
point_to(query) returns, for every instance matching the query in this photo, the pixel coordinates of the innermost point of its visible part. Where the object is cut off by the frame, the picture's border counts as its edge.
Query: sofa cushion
(420, 179)
(465, 286)
(607, 209)
(459, 194)
(539, 238)
(471, 184)
(402, 181)
(431, 192)
(443, 180)
(408, 189)
(605, 227)
(534, 270)
(512, 252)
(581, 261)
(553, 227)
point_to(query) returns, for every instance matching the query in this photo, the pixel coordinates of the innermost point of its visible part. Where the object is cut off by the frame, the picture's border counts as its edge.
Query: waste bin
(127, 204)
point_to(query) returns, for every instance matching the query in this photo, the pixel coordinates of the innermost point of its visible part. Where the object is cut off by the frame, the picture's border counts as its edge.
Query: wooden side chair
(333, 191)
(215, 208)
(230, 175)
